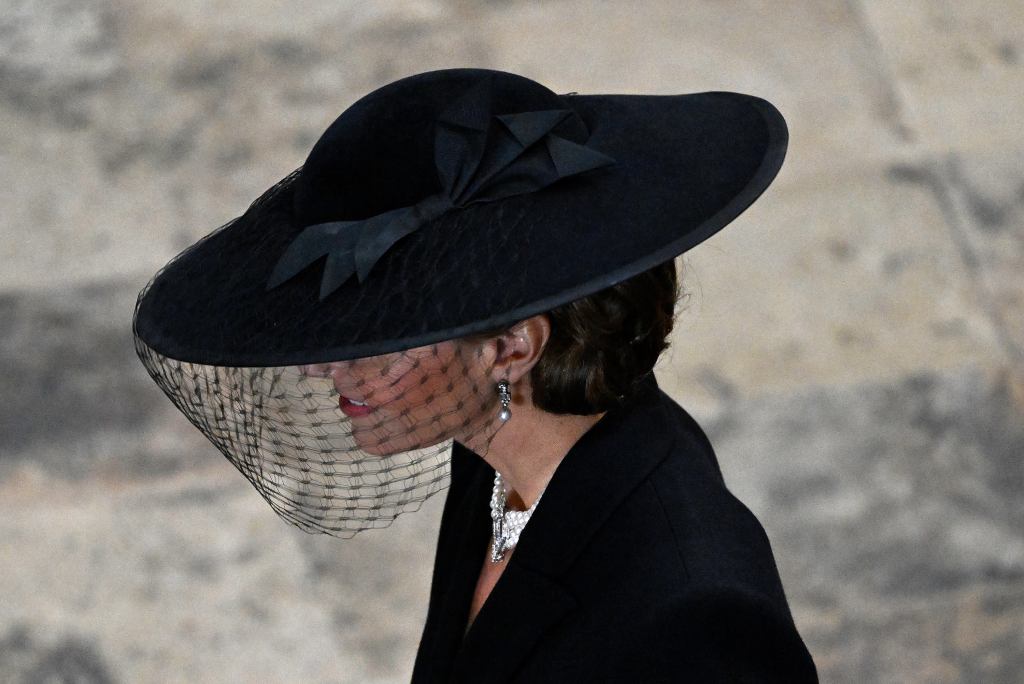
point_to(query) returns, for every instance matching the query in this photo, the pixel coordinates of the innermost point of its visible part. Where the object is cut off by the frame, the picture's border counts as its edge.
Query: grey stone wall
(854, 343)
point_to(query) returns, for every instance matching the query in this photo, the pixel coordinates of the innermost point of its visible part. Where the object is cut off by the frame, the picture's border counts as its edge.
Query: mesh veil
(322, 463)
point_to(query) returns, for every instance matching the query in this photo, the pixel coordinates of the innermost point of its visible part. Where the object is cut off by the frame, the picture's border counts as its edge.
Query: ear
(520, 347)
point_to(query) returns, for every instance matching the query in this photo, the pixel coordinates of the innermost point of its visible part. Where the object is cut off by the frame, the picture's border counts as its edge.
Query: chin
(375, 449)
(390, 449)
(386, 449)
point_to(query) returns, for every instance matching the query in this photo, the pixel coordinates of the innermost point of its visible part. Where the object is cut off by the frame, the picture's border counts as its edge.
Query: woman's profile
(467, 287)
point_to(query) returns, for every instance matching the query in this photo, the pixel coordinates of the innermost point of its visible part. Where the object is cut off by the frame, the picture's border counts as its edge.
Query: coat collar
(598, 472)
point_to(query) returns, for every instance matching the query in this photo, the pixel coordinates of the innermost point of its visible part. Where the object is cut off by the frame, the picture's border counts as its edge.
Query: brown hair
(603, 345)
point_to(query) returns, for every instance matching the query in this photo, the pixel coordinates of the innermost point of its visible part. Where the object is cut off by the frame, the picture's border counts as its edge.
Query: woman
(470, 271)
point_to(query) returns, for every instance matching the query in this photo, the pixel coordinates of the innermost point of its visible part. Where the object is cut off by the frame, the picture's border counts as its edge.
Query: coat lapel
(457, 567)
(604, 466)
(521, 608)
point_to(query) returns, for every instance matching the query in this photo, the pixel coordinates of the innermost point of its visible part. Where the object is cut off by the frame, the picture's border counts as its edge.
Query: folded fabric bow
(523, 156)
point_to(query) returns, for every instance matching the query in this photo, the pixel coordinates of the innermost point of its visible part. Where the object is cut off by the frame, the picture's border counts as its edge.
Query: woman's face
(414, 398)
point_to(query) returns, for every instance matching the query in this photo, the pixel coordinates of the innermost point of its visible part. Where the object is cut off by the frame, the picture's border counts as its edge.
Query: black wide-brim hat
(458, 201)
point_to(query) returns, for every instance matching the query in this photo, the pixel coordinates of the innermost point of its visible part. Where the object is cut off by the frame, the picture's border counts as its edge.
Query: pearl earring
(505, 397)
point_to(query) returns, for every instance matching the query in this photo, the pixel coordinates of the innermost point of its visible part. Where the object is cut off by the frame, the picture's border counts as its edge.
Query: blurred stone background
(854, 343)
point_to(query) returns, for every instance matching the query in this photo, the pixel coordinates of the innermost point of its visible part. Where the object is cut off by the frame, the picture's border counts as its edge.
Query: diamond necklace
(507, 525)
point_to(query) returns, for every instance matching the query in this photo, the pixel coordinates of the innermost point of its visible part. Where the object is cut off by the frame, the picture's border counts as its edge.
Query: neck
(528, 448)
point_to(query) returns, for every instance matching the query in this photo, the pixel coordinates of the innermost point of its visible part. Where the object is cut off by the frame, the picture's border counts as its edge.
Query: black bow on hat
(480, 157)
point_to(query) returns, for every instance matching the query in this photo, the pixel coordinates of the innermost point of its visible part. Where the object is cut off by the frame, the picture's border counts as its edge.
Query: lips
(349, 408)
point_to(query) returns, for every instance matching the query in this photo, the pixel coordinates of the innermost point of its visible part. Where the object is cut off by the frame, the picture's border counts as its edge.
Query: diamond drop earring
(506, 397)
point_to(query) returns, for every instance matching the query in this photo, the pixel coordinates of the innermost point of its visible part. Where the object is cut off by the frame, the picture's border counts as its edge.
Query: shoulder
(700, 573)
(691, 541)
(716, 536)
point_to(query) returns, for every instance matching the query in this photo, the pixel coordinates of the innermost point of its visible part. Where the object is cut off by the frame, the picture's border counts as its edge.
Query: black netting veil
(324, 462)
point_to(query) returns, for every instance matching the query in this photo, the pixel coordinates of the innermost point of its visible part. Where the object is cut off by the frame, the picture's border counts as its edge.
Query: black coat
(638, 565)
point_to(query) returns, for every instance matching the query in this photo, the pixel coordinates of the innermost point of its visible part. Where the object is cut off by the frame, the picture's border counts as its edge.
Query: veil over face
(414, 399)
(343, 446)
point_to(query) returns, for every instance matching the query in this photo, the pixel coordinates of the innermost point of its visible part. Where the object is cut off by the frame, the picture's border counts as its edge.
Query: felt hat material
(456, 201)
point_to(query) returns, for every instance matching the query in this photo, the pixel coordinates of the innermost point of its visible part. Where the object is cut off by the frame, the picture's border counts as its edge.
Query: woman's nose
(333, 369)
(315, 370)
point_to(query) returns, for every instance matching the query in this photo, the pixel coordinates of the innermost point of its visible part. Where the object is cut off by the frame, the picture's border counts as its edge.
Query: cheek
(428, 385)
(439, 379)
(380, 380)
(435, 378)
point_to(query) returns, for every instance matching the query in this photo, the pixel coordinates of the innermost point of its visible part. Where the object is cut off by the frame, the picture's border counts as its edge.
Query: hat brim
(686, 166)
